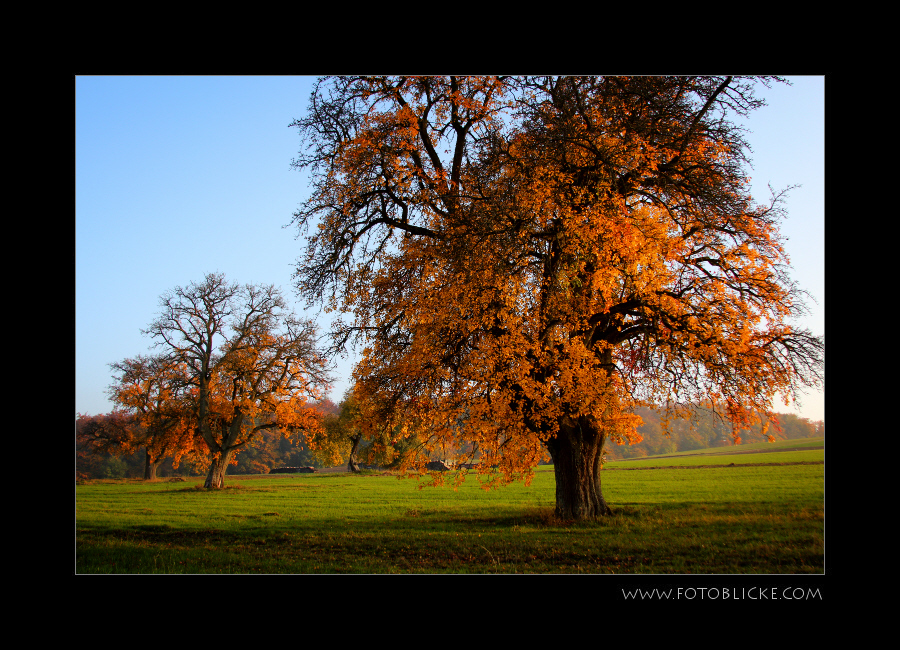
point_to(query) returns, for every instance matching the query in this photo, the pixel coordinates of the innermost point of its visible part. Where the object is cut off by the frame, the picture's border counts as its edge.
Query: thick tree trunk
(222, 451)
(216, 476)
(149, 468)
(576, 452)
(352, 463)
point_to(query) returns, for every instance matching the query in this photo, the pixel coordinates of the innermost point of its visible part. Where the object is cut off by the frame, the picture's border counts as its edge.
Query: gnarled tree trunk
(216, 476)
(576, 451)
(353, 462)
(222, 448)
(149, 467)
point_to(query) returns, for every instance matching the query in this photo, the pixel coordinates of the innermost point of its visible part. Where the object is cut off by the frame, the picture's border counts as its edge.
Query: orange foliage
(152, 390)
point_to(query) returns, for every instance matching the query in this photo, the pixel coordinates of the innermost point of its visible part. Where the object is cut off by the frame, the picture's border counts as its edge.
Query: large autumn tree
(250, 363)
(527, 260)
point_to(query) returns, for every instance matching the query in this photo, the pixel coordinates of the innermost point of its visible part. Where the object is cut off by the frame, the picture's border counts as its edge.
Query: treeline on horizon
(706, 429)
(272, 450)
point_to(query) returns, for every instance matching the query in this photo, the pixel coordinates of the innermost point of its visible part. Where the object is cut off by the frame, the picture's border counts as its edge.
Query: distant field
(809, 450)
(694, 514)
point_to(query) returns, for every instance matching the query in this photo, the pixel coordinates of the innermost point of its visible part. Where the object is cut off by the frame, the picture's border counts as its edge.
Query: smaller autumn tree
(153, 390)
(250, 363)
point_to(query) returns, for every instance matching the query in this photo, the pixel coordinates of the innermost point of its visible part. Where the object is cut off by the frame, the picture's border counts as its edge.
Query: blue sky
(177, 177)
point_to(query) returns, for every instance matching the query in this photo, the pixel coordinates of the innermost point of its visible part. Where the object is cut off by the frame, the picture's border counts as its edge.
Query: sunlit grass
(741, 519)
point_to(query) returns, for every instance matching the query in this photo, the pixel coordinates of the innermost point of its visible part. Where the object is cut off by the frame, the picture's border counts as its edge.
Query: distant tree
(541, 255)
(794, 426)
(261, 455)
(706, 429)
(251, 365)
(326, 407)
(115, 467)
(339, 439)
(109, 434)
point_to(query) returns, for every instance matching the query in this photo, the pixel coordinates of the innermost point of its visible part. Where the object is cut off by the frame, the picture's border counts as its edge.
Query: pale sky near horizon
(180, 176)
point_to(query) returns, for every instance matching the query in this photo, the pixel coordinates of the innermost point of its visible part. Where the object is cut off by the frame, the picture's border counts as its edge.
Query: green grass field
(690, 513)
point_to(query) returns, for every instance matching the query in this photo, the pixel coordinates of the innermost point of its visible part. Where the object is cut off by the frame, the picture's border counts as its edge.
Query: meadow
(752, 509)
